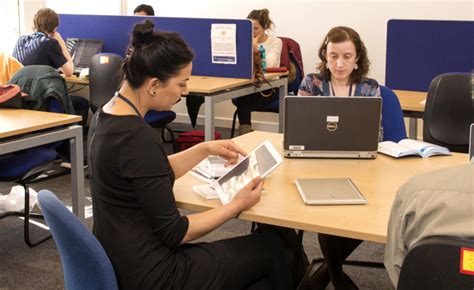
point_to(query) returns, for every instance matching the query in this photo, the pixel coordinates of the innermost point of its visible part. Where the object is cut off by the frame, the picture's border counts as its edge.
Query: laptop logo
(332, 122)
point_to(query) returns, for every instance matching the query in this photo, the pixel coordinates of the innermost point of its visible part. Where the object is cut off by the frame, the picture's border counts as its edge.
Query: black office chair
(436, 263)
(449, 111)
(105, 78)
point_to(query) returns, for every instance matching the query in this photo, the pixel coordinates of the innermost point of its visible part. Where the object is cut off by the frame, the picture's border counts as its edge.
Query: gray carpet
(22, 267)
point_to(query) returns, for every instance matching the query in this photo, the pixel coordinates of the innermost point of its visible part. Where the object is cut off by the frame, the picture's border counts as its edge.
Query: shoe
(244, 129)
(315, 278)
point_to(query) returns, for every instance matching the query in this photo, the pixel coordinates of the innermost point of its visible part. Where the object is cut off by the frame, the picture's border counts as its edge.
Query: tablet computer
(260, 162)
(321, 191)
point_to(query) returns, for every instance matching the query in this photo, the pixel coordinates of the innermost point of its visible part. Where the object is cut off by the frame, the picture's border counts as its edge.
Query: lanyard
(117, 94)
(334, 94)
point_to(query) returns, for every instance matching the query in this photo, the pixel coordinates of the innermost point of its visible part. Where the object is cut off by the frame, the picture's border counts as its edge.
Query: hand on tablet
(250, 195)
(226, 149)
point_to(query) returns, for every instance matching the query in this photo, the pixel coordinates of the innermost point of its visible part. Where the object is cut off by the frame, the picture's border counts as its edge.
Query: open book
(407, 147)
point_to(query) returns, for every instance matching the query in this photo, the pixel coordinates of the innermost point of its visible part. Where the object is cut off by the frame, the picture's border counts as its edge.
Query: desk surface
(281, 204)
(411, 100)
(15, 122)
(201, 84)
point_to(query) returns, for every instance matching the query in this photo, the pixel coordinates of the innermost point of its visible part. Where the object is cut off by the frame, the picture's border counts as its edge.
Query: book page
(395, 149)
(426, 149)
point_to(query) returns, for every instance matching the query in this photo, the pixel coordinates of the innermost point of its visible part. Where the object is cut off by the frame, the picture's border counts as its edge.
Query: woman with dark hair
(245, 105)
(342, 72)
(135, 214)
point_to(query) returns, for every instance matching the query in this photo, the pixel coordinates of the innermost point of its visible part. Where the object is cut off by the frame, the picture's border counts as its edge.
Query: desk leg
(413, 128)
(209, 119)
(77, 173)
(283, 91)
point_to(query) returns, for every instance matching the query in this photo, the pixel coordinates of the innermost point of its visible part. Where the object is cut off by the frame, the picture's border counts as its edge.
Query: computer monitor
(82, 50)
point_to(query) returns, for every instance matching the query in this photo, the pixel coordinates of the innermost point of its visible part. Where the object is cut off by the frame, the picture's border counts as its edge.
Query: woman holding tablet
(342, 72)
(135, 214)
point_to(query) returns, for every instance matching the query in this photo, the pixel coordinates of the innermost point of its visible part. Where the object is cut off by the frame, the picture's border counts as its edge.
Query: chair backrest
(438, 263)
(392, 116)
(85, 263)
(449, 111)
(105, 76)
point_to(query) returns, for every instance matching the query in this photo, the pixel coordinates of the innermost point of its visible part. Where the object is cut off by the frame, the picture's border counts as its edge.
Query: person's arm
(202, 223)
(68, 67)
(184, 161)
(273, 53)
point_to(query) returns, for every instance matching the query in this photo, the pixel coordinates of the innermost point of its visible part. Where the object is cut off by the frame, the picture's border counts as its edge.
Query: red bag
(10, 97)
(189, 139)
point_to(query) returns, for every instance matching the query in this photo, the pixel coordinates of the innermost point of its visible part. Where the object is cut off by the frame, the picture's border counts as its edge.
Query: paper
(223, 43)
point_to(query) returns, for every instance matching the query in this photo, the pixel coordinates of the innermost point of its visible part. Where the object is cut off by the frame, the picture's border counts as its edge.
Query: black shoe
(315, 278)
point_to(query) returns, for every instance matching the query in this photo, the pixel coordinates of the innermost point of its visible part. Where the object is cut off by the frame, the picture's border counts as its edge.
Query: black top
(135, 214)
(39, 49)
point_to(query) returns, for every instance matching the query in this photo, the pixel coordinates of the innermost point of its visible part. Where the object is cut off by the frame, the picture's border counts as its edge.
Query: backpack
(189, 139)
(10, 97)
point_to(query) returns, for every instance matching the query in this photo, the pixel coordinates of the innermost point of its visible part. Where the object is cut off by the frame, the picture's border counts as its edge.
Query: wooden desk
(281, 204)
(413, 106)
(21, 129)
(215, 90)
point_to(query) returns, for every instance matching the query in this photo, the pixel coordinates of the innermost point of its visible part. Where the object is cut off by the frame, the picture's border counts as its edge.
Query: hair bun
(143, 33)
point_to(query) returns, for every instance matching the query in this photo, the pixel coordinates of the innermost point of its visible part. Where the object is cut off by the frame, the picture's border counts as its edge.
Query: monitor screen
(82, 50)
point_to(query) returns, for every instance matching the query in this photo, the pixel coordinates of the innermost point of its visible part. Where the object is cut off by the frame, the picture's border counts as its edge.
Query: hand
(226, 149)
(250, 195)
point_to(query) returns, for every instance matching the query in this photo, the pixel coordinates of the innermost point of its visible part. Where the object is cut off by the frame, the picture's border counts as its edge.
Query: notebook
(331, 127)
(82, 50)
(329, 191)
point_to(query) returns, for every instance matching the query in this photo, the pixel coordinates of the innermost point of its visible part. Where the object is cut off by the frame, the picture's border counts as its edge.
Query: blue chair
(24, 167)
(274, 107)
(392, 116)
(85, 263)
(105, 77)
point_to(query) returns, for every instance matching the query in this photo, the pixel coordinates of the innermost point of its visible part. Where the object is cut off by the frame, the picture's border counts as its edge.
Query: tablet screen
(258, 163)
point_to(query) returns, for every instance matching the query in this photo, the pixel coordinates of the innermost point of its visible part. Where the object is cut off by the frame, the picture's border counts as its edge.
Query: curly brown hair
(263, 18)
(46, 20)
(340, 34)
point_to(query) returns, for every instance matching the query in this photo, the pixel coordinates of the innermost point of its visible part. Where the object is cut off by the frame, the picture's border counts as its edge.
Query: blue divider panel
(419, 50)
(115, 31)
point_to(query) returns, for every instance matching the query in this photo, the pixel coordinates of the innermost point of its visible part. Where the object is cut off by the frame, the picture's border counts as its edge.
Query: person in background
(342, 72)
(438, 203)
(135, 215)
(273, 45)
(144, 10)
(46, 47)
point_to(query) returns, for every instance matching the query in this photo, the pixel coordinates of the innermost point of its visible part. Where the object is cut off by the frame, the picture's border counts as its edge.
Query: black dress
(137, 221)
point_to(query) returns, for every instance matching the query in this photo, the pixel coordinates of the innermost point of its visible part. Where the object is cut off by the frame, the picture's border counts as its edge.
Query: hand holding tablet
(260, 162)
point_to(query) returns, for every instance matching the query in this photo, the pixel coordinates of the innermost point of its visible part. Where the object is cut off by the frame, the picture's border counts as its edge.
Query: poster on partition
(223, 43)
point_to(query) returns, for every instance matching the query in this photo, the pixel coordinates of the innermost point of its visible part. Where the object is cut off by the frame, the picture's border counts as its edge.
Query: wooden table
(23, 129)
(377, 179)
(413, 106)
(216, 89)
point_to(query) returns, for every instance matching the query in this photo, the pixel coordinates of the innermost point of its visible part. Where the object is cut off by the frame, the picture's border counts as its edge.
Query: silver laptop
(331, 127)
(82, 50)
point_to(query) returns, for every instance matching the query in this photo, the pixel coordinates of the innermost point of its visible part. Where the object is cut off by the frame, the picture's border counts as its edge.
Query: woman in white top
(272, 44)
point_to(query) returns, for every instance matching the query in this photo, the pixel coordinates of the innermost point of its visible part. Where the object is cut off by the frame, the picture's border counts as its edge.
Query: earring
(327, 65)
(356, 66)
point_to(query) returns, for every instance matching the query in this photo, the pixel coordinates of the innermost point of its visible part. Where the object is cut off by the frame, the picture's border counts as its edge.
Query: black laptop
(331, 127)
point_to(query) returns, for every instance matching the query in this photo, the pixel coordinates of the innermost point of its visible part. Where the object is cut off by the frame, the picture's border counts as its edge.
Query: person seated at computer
(273, 45)
(433, 204)
(342, 72)
(135, 214)
(46, 47)
(144, 10)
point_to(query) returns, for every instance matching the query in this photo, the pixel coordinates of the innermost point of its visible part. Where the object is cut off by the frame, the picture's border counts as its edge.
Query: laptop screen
(82, 50)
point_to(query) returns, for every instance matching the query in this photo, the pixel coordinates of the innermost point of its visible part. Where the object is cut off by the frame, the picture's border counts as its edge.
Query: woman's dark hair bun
(143, 33)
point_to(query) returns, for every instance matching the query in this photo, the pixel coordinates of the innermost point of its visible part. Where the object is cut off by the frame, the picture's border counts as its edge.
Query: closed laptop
(331, 127)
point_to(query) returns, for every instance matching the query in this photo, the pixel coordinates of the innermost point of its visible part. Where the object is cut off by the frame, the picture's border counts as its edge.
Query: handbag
(259, 77)
(11, 97)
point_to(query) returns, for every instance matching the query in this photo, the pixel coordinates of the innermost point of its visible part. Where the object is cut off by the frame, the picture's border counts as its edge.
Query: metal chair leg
(27, 215)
